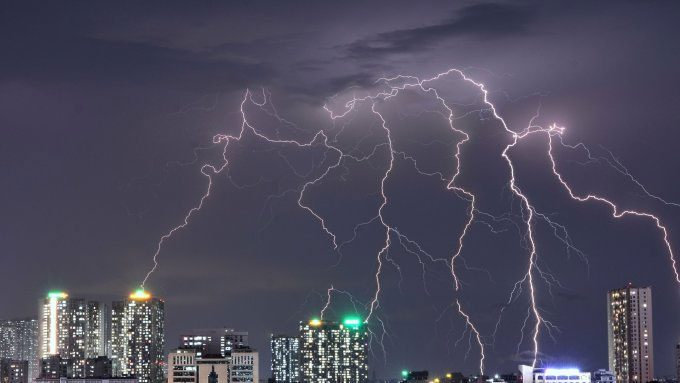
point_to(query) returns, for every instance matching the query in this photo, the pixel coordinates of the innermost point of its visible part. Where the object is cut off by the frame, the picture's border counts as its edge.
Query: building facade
(334, 352)
(118, 340)
(285, 363)
(629, 323)
(213, 367)
(182, 367)
(244, 366)
(19, 341)
(138, 338)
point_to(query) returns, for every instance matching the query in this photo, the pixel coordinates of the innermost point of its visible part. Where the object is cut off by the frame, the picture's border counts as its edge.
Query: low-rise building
(185, 365)
(553, 375)
(182, 366)
(603, 376)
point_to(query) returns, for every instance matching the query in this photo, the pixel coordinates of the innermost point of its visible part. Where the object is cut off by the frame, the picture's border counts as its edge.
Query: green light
(352, 322)
(404, 373)
(57, 294)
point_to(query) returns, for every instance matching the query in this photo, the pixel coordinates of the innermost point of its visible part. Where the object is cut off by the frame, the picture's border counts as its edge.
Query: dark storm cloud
(487, 21)
(82, 49)
(77, 58)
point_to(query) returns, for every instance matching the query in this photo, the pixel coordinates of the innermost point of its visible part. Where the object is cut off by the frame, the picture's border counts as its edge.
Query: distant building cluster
(74, 340)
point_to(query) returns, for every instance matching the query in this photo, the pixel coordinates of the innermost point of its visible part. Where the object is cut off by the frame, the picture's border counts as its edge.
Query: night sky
(107, 111)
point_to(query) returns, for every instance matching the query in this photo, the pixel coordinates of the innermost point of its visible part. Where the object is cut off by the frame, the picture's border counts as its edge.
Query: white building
(629, 323)
(186, 366)
(553, 375)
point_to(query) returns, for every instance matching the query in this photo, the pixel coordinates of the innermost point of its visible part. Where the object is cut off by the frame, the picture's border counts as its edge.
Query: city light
(140, 295)
(353, 322)
(562, 371)
(315, 322)
(57, 294)
(404, 373)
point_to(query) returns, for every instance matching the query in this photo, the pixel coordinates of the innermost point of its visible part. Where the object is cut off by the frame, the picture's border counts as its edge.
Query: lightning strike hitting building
(387, 89)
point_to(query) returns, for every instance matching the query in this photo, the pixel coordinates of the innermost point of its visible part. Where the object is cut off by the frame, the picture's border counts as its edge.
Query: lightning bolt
(389, 88)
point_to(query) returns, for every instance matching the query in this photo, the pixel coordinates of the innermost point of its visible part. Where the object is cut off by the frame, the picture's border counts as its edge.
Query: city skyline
(473, 176)
(629, 308)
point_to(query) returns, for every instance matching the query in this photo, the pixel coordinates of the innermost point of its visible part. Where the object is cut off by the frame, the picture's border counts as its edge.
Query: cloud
(488, 21)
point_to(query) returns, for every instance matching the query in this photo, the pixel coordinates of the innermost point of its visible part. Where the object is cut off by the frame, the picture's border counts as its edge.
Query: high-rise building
(118, 340)
(333, 352)
(631, 351)
(214, 341)
(13, 371)
(285, 359)
(54, 321)
(137, 337)
(19, 341)
(74, 329)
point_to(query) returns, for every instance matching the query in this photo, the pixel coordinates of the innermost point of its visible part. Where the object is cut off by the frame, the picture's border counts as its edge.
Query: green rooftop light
(404, 373)
(352, 322)
(57, 294)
